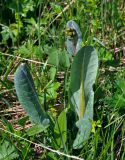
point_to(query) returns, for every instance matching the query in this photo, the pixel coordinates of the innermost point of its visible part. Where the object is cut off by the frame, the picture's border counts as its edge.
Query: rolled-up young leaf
(74, 37)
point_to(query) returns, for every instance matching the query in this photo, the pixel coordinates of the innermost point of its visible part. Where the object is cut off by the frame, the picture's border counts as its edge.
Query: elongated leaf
(27, 95)
(83, 75)
(61, 129)
(36, 129)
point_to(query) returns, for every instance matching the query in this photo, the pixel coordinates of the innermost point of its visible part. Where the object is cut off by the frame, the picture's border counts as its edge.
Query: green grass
(27, 30)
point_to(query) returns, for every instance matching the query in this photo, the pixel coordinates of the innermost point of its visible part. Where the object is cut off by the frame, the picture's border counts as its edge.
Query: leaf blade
(60, 129)
(27, 95)
(83, 75)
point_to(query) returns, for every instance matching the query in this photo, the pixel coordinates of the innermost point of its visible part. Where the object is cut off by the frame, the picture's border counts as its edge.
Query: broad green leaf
(83, 75)
(53, 58)
(59, 58)
(52, 73)
(64, 61)
(27, 95)
(60, 129)
(36, 129)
